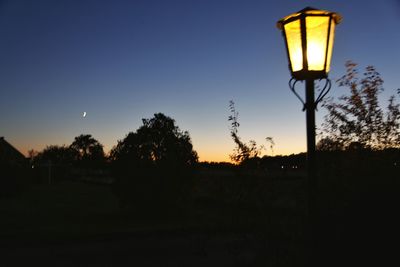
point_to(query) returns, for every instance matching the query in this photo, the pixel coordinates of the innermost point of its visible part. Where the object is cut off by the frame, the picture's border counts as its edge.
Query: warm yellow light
(330, 46)
(309, 36)
(293, 37)
(317, 39)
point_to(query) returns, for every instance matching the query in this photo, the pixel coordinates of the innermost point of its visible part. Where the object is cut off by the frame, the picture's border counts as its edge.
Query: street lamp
(309, 36)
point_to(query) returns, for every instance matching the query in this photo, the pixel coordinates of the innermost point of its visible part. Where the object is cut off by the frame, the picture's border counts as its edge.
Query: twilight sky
(121, 61)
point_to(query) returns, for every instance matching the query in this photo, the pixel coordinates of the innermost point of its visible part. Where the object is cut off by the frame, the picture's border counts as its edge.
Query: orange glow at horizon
(205, 153)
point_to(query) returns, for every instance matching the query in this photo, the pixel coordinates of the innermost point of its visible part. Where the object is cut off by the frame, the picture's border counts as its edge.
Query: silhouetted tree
(359, 179)
(328, 144)
(54, 160)
(358, 117)
(158, 142)
(153, 167)
(243, 152)
(32, 154)
(56, 154)
(271, 142)
(87, 150)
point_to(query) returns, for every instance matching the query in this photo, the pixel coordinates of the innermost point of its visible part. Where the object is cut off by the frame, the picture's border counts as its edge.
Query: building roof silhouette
(9, 154)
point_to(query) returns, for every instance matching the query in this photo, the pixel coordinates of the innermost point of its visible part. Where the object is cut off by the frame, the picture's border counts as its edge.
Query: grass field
(64, 209)
(78, 210)
(74, 222)
(85, 220)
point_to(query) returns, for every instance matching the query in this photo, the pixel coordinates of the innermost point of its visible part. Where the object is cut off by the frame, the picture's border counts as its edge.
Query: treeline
(153, 165)
(155, 168)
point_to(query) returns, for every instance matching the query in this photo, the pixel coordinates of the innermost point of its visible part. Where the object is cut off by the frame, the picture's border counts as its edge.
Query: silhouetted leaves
(328, 144)
(153, 167)
(158, 142)
(87, 151)
(56, 154)
(357, 117)
(243, 152)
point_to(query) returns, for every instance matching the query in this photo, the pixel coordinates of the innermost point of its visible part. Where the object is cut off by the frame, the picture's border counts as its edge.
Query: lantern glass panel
(317, 35)
(293, 39)
(330, 45)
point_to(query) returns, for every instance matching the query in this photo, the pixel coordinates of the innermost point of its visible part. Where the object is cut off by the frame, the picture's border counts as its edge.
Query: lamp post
(309, 37)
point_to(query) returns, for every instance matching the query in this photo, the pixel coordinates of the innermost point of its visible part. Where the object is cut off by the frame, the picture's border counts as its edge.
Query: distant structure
(9, 155)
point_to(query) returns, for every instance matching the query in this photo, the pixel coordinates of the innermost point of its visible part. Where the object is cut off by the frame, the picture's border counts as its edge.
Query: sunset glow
(120, 63)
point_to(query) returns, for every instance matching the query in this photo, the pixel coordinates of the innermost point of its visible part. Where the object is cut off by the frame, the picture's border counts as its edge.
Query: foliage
(84, 150)
(243, 152)
(271, 142)
(87, 150)
(153, 167)
(357, 118)
(329, 144)
(32, 154)
(56, 154)
(54, 161)
(57, 163)
(158, 142)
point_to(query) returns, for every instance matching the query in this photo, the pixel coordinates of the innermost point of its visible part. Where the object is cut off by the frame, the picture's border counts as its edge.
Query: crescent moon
(84, 114)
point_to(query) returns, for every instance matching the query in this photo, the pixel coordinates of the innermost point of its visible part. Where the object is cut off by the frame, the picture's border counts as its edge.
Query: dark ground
(169, 249)
(76, 224)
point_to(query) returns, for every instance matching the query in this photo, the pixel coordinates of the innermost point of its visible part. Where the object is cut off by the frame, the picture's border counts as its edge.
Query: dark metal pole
(311, 169)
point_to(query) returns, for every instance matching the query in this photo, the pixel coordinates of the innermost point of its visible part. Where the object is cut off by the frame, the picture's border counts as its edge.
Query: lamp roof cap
(309, 11)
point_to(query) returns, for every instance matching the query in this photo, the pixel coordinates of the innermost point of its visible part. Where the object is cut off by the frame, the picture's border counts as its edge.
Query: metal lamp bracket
(322, 93)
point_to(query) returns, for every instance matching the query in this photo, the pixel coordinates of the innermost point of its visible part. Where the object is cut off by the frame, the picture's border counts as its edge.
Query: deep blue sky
(121, 61)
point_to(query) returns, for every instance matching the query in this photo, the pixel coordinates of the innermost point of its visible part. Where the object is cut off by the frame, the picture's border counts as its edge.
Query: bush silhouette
(87, 151)
(153, 167)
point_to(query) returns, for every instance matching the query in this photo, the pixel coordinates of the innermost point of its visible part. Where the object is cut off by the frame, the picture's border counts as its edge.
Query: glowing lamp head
(309, 36)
